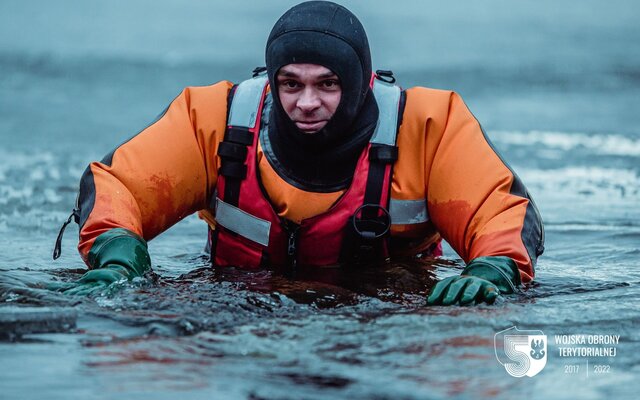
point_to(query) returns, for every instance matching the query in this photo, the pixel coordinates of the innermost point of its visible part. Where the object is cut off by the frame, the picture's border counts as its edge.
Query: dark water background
(555, 85)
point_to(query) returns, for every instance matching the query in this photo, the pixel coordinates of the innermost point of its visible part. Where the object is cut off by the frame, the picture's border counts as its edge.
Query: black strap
(365, 239)
(373, 190)
(232, 170)
(380, 153)
(379, 156)
(239, 135)
(233, 151)
(75, 216)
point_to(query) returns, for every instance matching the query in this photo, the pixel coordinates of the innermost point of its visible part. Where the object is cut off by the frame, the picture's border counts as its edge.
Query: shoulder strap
(246, 102)
(383, 151)
(242, 124)
(388, 98)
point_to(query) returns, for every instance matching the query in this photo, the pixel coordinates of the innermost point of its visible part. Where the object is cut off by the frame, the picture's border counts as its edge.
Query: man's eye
(330, 84)
(290, 84)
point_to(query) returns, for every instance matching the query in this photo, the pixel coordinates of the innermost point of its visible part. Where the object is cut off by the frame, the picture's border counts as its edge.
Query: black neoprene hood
(327, 34)
(324, 33)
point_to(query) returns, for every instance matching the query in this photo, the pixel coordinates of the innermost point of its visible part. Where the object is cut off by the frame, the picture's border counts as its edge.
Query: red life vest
(249, 232)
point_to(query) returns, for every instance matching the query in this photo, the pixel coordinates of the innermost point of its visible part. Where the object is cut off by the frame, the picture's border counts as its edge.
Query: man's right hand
(94, 281)
(116, 255)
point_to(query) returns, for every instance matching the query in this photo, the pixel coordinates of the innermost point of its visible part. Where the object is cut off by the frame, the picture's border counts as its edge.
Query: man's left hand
(483, 280)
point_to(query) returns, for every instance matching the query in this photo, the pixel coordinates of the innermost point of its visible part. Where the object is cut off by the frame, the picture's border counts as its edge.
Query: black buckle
(259, 71)
(371, 228)
(385, 75)
(365, 239)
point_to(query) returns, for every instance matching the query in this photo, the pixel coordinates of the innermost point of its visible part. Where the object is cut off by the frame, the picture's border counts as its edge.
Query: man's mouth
(310, 126)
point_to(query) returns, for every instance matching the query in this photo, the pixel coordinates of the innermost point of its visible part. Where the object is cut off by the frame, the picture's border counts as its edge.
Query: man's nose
(308, 100)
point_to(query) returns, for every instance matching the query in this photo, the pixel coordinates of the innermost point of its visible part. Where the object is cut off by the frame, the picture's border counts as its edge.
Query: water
(555, 86)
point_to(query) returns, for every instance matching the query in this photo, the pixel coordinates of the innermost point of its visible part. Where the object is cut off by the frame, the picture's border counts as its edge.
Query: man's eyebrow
(329, 74)
(287, 74)
(290, 74)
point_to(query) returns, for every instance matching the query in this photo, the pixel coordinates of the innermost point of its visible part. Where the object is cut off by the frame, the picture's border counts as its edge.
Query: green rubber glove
(116, 255)
(483, 280)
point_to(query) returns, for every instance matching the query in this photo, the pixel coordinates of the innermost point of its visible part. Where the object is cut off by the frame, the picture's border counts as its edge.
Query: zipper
(292, 230)
(75, 216)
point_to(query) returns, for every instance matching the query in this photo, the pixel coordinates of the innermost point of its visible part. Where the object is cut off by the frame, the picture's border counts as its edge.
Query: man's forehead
(317, 70)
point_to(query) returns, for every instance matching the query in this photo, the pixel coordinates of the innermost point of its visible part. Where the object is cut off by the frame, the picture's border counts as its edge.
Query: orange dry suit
(447, 183)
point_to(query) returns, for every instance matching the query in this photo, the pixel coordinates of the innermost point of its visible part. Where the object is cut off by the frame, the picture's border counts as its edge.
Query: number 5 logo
(521, 352)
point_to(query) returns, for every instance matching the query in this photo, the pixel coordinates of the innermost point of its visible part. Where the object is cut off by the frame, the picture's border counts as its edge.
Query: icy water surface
(556, 88)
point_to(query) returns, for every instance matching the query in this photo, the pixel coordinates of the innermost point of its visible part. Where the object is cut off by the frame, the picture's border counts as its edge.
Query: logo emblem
(521, 352)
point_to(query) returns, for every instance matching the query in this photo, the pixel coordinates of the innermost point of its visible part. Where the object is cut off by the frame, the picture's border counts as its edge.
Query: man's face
(309, 94)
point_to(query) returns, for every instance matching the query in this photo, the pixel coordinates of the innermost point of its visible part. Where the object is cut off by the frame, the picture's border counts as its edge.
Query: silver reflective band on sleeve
(404, 212)
(242, 223)
(246, 101)
(388, 99)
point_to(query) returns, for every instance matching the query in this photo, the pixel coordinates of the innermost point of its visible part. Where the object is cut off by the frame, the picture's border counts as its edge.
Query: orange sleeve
(474, 199)
(161, 175)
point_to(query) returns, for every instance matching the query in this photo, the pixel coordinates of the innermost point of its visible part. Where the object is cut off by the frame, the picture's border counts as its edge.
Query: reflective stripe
(246, 102)
(242, 223)
(388, 99)
(404, 212)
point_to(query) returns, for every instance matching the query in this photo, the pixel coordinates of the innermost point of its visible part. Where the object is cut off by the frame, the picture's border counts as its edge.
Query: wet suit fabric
(448, 177)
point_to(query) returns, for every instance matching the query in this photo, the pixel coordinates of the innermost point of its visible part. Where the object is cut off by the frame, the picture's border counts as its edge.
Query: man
(316, 165)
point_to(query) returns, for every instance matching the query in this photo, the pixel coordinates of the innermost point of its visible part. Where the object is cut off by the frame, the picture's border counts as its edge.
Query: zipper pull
(292, 245)
(57, 250)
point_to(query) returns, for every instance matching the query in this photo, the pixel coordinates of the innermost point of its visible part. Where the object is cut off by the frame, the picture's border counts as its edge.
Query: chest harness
(249, 232)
